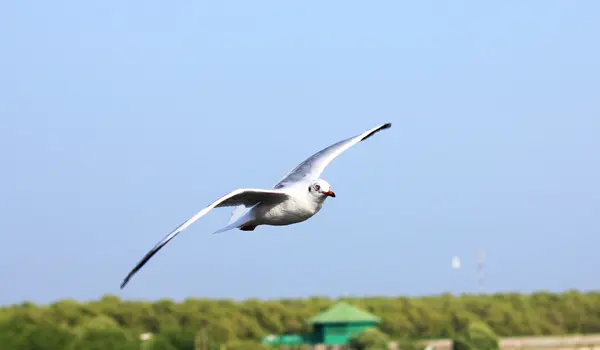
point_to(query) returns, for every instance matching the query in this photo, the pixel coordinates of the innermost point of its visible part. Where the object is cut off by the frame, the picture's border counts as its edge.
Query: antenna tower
(480, 275)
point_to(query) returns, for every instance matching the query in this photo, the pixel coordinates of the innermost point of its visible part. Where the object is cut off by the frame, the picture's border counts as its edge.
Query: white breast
(289, 212)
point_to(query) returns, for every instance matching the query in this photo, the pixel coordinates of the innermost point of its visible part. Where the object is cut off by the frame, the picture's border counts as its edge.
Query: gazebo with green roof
(334, 326)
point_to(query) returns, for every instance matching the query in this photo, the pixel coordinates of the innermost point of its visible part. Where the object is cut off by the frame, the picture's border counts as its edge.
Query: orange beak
(329, 193)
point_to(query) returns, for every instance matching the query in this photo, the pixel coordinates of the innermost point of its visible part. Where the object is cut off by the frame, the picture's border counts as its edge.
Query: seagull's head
(321, 189)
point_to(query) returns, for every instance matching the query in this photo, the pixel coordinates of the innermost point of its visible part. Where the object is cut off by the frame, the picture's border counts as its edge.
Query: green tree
(158, 342)
(370, 339)
(46, 337)
(102, 333)
(477, 336)
(181, 339)
(245, 345)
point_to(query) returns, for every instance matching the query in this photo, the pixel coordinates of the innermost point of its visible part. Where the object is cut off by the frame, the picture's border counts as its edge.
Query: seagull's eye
(317, 187)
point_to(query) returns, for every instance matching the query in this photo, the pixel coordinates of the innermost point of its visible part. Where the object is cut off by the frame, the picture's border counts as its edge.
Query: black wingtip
(384, 126)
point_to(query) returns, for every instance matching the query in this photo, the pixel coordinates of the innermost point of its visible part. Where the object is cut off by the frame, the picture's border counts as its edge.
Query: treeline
(73, 325)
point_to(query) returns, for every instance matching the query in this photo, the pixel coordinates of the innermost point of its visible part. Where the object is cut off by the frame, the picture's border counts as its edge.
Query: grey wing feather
(311, 168)
(240, 197)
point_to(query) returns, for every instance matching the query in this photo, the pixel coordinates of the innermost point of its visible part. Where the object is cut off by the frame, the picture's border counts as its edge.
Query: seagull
(297, 197)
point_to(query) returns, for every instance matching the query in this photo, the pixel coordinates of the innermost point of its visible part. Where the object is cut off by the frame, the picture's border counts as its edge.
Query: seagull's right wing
(312, 167)
(246, 197)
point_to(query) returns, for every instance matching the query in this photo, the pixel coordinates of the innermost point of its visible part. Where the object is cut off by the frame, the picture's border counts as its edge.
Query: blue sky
(121, 119)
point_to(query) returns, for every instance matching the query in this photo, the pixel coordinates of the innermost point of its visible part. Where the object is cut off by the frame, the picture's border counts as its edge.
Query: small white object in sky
(295, 198)
(456, 263)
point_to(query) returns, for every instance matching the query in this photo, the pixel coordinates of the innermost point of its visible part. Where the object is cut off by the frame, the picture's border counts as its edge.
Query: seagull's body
(297, 197)
(297, 207)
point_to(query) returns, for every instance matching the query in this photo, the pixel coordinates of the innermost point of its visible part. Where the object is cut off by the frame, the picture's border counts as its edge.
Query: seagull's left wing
(246, 197)
(312, 167)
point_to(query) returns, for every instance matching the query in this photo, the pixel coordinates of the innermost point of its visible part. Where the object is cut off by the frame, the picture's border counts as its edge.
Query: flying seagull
(298, 196)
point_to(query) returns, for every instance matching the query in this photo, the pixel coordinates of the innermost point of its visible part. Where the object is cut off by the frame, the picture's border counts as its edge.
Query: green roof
(344, 313)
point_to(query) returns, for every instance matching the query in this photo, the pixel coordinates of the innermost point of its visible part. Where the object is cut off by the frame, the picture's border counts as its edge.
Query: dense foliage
(370, 339)
(110, 323)
(477, 336)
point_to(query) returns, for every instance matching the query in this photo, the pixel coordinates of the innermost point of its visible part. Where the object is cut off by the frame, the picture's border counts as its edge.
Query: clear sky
(121, 119)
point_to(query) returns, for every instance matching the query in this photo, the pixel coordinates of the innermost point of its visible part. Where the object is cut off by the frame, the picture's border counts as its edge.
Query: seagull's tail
(237, 213)
(226, 228)
(239, 222)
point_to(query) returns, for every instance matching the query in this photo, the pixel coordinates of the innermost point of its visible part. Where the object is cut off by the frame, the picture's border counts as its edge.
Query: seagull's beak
(329, 193)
